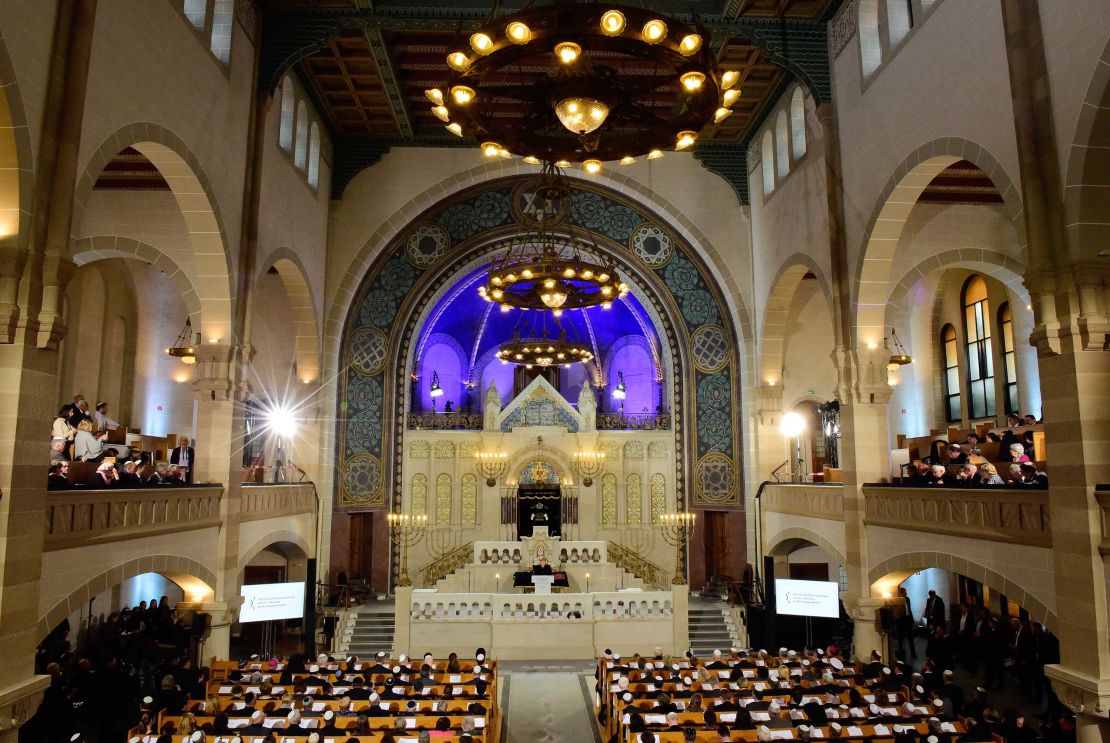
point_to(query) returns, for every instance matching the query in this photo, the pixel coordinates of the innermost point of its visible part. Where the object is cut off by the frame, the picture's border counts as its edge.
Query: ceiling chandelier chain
(590, 82)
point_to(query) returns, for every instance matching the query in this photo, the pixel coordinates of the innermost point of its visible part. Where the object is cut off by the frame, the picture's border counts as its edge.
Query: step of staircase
(709, 631)
(371, 632)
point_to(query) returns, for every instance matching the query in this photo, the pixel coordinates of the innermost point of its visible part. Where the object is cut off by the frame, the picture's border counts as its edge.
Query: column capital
(770, 401)
(19, 701)
(1081, 693)
(871, 377)
(214, 380)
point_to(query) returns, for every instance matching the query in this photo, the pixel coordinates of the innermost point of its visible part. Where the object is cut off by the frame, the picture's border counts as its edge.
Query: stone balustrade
(275, 501)
(996, 514)
(76, 518)
(815, 500)
(1102, 495)
(568, 553)
(484, 607)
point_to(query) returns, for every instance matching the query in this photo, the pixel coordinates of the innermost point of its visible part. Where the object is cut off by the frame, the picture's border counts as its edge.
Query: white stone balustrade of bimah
(567, 553)
(454, 607)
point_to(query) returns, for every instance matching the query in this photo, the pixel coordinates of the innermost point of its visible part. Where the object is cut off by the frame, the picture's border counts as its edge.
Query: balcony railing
(276, 501)
(452, 421)
(999, 515)
(80, 517)
(634, 422)
(805, 499)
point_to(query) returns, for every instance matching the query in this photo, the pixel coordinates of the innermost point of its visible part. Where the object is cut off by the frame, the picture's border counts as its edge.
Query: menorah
(637, 538)
(444, 539)
(588, 465)
(677, 528)
(406, 530)
(492, 465)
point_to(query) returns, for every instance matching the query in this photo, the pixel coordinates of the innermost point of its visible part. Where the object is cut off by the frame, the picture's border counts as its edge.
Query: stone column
(216, 643)
(402, 620)
(681, 616)
(772, 445)
(867, 631)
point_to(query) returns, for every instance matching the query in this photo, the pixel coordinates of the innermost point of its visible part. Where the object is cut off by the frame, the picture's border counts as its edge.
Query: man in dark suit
(183, 456)
(934, 609)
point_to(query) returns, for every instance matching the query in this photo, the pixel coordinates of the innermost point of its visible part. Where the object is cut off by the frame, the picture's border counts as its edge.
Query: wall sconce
(436, 390)
(620, 390)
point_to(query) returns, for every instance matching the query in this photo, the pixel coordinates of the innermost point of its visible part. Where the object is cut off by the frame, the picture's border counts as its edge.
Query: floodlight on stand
(621, 390)
(435, 390)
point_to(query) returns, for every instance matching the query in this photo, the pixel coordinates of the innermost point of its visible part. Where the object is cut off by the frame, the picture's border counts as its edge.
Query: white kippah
(329, 715)
(198, 735)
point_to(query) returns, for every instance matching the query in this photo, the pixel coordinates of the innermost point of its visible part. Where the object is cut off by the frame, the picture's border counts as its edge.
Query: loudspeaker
(200, 624)
(886, 619)
(308, 627)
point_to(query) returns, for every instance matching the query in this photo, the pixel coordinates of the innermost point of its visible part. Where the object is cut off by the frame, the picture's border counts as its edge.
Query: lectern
(542, 583)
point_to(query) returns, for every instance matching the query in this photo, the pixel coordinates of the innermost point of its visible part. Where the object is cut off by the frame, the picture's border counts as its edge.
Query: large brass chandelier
(578, 82)
(547, 267)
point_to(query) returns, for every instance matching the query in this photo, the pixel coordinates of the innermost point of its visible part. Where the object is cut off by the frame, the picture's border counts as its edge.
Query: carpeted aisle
(548, 707)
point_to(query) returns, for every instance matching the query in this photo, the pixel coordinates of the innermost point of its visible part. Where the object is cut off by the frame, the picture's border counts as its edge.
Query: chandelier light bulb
(518, 32)
(655, 154)
(481, 43)
(562, 163)
(435, 95)
(654, 31)
(612, 23)
(729, 78)
(491, 149)
(531, 160)
(442, 113)
(581, 115)
(690, 44)
(458, 61)
(568, 51)
(627, 160)
(592, 166)
(455, 129)
(685, 139)
(730, 97)
(722, 114)
(692, 80)
(462, 94)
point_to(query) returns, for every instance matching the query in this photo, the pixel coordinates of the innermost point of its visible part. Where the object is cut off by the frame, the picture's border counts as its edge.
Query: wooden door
(360, 545)
(716, 544)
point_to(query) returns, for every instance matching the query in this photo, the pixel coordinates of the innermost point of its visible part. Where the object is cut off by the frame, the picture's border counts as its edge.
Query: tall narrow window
(768, 153)
(980, 361)
(782, 145)
(870, 46)
(195, 11)
(223, 15)
(300, 153)
(1009, 359)
(950, 354)
(899, 20)
(798, 123)
(285, 129)
(314, 155)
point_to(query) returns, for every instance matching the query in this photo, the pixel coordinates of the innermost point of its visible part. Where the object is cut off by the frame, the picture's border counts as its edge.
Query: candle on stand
(497, 579)
(587, 582)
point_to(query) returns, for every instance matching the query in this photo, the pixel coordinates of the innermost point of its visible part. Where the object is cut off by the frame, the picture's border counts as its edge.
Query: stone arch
(884, 228)
(195, 198)
(535, 453)
(1002, 267)
(772, 341)
(347, 290)
(306, 327)
(272, 538)
(16, 159)
(96, 248)
(194, 579)
(896, 569)
(791, 536)
(1087, 182)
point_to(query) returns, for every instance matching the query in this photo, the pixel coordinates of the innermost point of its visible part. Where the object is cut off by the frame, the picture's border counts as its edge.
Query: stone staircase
(368, 631)
(711, 629)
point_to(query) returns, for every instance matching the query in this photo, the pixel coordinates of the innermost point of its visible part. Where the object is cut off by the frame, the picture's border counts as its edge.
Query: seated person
(541, 567)
(937, 476)
(129, 476)
(956, 455)
(59, 476)
(101, 419)
(968, 476)
(1033, 477)
(1017, 453)
(1029, 420)
(105, 477)
(988, 475)
(86, 446)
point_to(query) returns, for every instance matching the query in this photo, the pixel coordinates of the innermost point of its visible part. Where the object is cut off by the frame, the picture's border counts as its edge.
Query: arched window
(949, 352)
(870, 47)
(1009, 358)
(980, 360)
(899, 20)
(195, 10)
(314, 155)
(223, 15)
(768, 163)
(798, 123)
(285, 129)
(300, 153)
(782, 145)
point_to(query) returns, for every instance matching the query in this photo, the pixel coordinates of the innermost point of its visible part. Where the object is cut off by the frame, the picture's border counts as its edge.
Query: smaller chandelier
(181, 348)
(899, 357)
(543, 352)
(558, 285)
